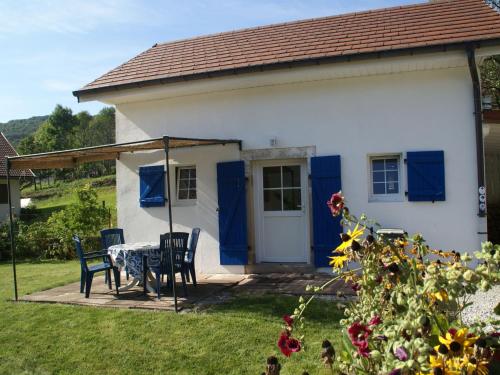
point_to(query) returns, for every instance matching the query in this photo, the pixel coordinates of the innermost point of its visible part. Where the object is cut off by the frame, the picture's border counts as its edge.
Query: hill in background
(15, 130)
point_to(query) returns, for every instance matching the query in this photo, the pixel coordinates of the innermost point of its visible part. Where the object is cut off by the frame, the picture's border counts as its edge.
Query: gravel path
(483, 305)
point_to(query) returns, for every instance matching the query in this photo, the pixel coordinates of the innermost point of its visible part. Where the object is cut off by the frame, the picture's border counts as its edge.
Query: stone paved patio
(211, 289)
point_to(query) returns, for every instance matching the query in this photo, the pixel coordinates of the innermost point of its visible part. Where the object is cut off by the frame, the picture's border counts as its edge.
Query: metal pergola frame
(74, 157)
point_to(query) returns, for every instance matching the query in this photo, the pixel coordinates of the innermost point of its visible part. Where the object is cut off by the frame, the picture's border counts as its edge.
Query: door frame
(258, 205)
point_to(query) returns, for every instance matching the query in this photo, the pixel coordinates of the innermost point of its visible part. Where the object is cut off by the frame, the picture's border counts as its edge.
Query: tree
(490, 79)
(56, 133)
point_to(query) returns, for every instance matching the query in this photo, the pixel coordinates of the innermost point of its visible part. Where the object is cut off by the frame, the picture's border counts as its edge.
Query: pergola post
(166, 141)
(11, 229)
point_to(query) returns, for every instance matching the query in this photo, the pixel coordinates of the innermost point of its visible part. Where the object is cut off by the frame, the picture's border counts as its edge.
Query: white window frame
(395, 197)
(186, 201)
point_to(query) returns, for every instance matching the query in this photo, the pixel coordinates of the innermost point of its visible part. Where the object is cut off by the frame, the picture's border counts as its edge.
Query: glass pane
(378, 188)
(192, 194)
(378, 177)
(192, 184)
(392, 188)
(272, 177)
(192, 173)
(292, 200)
(272, 200)
(184, 173)
(378, 165)
(183, 184)
(392, 176)
(391, 164)
(291, 176)
(183, 194)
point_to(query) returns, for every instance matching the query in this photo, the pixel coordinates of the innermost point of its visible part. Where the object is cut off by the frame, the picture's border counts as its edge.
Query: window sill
(385, 199)
(185, 203)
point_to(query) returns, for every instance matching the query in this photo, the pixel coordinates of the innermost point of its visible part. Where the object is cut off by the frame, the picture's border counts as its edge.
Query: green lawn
(234, 338)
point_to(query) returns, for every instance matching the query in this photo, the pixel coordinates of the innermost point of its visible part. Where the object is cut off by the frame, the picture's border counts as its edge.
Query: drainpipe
(478, 120)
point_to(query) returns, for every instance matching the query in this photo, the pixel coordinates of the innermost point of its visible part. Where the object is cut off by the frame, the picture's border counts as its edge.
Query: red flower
(452, 332)
(363, 349)
(336, 203)
(356, 287)
(358, 333)
(288, 320)
(283, 344)
(375, 321)
(288, 345)
(294, 345)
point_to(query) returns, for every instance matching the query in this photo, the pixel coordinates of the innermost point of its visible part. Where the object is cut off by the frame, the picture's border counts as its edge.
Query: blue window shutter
(426, 176)
(232, 213)
(152, 186)
(325, 179)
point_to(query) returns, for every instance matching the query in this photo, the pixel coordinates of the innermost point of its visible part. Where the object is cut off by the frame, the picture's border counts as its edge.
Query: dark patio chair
(88, 271)
(179, 248)
(191, 252)
(110, 237)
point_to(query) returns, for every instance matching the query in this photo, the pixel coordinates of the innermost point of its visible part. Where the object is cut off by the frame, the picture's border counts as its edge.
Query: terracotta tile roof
(6, 149)
(398, 28)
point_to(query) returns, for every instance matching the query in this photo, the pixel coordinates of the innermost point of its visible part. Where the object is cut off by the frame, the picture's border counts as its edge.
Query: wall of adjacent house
(16, 200)
(427, 109)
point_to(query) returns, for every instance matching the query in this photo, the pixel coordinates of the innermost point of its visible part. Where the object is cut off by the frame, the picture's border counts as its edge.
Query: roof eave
(80, 94)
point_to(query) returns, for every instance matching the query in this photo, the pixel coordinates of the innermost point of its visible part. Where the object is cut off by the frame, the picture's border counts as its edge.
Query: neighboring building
(378, 103)
(6, 149)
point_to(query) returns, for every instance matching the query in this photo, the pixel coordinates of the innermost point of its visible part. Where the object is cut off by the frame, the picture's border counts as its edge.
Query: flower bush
(407, 315)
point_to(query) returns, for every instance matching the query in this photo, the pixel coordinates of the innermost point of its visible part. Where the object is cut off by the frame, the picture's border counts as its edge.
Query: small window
(186, 183)
(4, 197)
(385, 174)
(282, 188)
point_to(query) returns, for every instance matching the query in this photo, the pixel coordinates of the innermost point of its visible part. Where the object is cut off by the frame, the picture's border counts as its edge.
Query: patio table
(131, 255)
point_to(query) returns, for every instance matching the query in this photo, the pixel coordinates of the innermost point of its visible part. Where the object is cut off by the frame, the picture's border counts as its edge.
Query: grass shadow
(273, 306)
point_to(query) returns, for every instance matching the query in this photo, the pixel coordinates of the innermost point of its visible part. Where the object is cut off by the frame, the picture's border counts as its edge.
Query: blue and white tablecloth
(130, 255)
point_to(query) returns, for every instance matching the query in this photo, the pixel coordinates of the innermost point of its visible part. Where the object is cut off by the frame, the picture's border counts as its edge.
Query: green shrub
(53, 239)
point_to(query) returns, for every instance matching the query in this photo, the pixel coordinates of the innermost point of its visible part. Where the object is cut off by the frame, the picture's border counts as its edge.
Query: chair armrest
(100, 252)
(100, 255)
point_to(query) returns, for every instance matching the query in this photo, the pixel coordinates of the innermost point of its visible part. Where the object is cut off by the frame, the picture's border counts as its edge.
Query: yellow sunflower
(442, 296)
(458, 340)
(338, 261)
(350, 236)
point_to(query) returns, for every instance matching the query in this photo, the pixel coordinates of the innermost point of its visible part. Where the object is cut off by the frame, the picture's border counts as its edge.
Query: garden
(408, 314)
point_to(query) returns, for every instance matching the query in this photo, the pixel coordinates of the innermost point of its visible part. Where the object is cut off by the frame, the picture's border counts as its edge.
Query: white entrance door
(281, 205)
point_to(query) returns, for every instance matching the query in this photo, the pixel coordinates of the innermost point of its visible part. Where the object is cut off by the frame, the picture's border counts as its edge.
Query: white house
(384, 105)
(6, 149)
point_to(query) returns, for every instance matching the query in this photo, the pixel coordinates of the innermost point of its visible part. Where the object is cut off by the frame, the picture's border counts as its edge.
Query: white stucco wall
(375, 112)
(16, 200)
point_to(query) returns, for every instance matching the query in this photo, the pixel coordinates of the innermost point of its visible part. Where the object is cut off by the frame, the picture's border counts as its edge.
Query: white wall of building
(389, 111)
(16, 200)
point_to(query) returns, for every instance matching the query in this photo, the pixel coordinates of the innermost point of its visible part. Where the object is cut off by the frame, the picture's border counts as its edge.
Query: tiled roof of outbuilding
(438, 23)
(6, 149)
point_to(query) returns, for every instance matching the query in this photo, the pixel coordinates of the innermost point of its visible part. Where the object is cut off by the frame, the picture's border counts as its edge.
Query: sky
(49, 48)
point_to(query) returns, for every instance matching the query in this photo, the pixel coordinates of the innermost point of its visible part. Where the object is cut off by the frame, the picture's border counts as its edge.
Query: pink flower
(336, 203)
(375, 321)
(401, 354)
(288, 320)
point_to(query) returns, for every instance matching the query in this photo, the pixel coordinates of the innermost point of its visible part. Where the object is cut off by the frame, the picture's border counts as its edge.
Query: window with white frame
(385, 174)
(186, 183)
